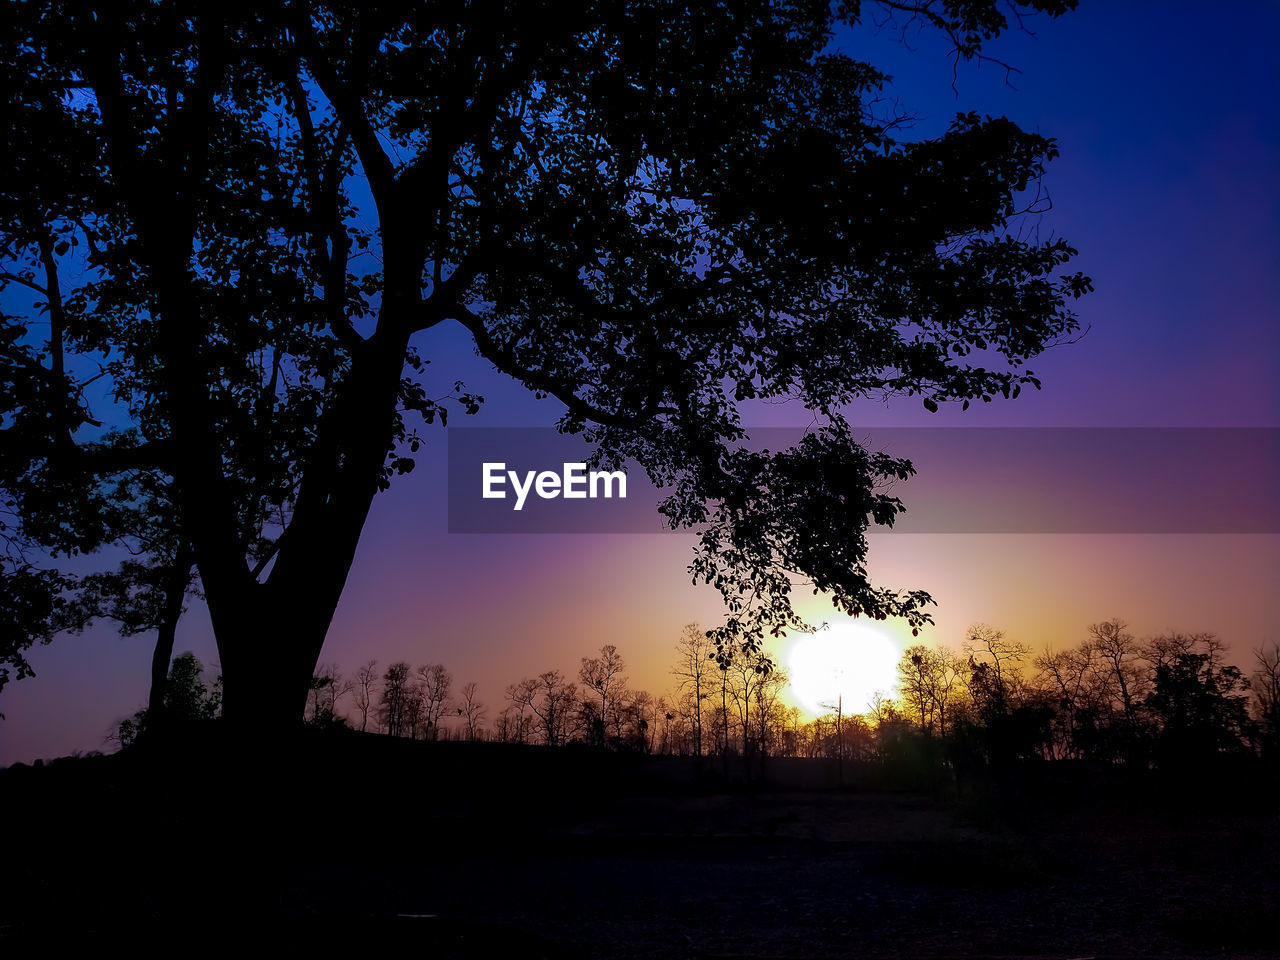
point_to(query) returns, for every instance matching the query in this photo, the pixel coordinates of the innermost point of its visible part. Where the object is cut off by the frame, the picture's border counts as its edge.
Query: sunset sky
(1169, 185)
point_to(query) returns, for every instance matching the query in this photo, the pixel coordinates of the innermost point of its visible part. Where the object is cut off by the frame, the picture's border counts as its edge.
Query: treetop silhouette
(241, 217)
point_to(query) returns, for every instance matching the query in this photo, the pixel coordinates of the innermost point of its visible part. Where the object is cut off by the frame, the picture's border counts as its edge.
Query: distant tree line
(1170, 701)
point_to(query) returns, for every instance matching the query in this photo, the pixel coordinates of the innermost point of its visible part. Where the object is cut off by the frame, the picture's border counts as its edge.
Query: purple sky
(1168, 184)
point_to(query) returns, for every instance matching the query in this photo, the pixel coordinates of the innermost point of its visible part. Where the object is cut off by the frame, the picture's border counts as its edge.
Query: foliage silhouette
(188, 700)
(649, 216)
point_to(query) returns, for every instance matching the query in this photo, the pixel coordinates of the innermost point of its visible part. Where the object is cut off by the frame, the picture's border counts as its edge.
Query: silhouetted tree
(994, 662)
(836, 745)
(551, 700)
(1265, 686)
(603, 678)
(396, 693)
(1200, 706)
(1121, 652)
(187, 696)
(1128, 682)
(666, 714)
(745, 676)
(505, 725)
(1007, 722)
(414, 713)
(695, 652)
(328, 687)
(929, 682)
(434, 682)
(770, 715)
(366, 679)
(620, 215)
(521, 694)
(188, 700)
(793, 742)
(724, 660)
(1076, 681)
(472, 711)
(639, 723)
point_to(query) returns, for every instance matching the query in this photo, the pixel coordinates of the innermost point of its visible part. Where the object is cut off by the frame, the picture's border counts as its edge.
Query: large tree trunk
(267, 694)
(270, 634)
(269, 645)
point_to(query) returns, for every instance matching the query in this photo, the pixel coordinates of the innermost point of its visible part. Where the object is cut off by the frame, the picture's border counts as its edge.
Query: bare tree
(414, 712)
(666, 713)
(328, 686)
(987, 647)
(392, 706)
(641, 718)
(695, 652)
(521, 694)
(791, 740)
(508, 726)
(1164, 649)
(551, 698)
(724, 658)
(604, 676)
(837, 707)
(883, 710)
(743, 677)
(1121, 653)
(929, 681)
(914, 683)
(471, 710)
(771, 715)
(435, 682)
(1073, 679)
(366, 681)
(1265, 684)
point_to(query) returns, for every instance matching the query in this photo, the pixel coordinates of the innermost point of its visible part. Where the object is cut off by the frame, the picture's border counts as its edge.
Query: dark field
(354, 846)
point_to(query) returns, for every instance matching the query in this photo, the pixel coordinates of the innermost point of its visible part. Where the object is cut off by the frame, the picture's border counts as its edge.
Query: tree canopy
(224, 225)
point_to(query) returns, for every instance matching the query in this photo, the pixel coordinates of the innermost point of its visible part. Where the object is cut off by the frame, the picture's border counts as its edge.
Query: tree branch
(504, 359)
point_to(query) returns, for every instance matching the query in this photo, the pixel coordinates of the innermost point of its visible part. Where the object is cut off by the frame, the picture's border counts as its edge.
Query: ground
(475, 851)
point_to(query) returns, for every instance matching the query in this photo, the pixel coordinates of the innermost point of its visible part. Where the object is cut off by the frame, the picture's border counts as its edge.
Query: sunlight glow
(847, 663)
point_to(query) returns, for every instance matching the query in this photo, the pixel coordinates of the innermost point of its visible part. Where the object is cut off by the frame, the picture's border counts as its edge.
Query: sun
(842, 665)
